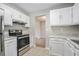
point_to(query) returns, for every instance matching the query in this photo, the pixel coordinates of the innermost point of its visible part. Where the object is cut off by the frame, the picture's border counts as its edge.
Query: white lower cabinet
(10, 48)
(56, 47)
(69, 51)
(77, 52)
(60, 47)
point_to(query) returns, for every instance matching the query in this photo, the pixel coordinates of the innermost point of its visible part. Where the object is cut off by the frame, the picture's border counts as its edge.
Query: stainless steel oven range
(22, 44)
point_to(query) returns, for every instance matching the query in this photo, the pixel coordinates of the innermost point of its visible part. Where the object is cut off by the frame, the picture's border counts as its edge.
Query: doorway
(40, 31)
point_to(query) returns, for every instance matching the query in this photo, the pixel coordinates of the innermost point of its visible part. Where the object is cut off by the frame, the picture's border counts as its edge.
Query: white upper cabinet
(76, 14)
(12, 15)
(1, 12)
(19, 17)
(23, 17)
(16, 16)
(7, 15)
(54, 17)
(8, 18)
(28, 21)
(61, 17)
(65, 16)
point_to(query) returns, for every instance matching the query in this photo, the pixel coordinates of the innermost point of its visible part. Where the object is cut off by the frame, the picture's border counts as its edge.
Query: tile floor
(37, 51)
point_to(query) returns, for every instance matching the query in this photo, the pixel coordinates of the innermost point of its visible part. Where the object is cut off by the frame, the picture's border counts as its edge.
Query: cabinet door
(76, 14)
(65, 16)
(27, 21)
(7, 15)
(24, 18)
(57, 49)
(7, 18)
(16, 16)
(56, 46)
(68, 50)
(61, 17)
(54, 17)
(10, 48)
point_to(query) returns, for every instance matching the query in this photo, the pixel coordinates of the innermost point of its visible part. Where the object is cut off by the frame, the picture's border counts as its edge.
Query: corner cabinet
(61, 17)
(60, 47)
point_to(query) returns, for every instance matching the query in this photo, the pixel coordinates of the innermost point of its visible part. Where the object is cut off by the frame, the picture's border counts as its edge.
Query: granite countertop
(75, 37)
(9, 38)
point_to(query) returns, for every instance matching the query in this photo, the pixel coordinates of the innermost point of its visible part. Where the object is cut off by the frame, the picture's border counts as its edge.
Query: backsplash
(18, 27)
(65, 30)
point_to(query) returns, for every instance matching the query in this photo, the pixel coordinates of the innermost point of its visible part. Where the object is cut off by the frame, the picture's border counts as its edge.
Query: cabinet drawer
(10, 42)
(56, 52)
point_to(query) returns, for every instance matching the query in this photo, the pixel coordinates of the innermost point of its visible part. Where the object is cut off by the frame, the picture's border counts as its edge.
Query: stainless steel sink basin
(75, 41)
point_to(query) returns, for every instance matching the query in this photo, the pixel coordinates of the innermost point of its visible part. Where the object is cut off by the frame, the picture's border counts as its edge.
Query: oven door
(22, 42)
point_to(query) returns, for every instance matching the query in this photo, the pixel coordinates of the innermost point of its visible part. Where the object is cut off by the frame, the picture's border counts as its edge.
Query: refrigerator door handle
(0, 33)
(2, 37)
(1, 45)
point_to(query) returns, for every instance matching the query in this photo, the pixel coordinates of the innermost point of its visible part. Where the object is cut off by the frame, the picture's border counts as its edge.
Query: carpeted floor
(37, 52)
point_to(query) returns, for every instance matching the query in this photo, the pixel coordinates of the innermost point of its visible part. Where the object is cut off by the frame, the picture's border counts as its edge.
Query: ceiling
(34, 7)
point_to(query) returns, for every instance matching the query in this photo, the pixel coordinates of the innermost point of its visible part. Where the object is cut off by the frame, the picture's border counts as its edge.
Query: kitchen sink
(75, 41)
